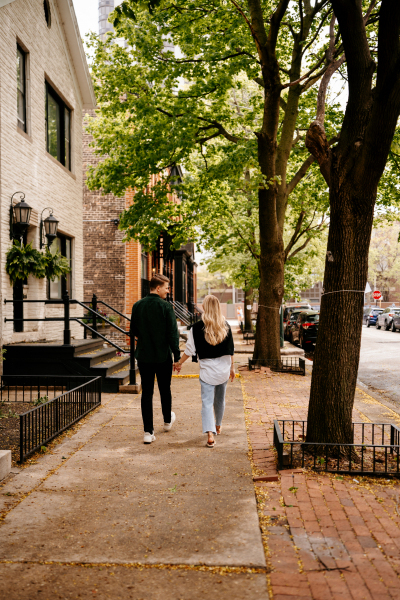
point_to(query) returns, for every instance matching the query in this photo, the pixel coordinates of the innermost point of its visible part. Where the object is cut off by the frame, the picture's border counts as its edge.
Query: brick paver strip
(339, 534)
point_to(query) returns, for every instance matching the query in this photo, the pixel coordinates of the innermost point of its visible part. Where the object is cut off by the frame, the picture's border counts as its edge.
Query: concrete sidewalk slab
(103, 497)
(125, 527)
(113, 582)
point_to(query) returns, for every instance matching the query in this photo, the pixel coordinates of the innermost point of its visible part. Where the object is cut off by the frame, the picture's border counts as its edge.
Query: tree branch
(276, 22)
(293, 239)
(300, 174)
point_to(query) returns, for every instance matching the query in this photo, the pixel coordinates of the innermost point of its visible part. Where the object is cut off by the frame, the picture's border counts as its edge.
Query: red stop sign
(376, 295)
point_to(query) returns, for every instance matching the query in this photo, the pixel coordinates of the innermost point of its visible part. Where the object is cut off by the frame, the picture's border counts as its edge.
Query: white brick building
(41, 146)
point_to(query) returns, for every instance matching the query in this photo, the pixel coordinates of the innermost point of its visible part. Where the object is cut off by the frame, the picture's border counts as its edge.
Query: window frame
(63, 153)
(66, 282)
(24, 68)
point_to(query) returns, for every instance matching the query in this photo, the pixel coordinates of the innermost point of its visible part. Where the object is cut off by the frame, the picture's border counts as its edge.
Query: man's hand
(232, 373)
(177, 367)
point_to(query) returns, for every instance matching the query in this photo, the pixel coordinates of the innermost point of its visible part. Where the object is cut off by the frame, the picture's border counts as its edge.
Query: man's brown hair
(157, 280)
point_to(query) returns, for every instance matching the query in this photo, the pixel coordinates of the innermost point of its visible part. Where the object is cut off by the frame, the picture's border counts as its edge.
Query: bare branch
(293, 239)
(314, 68)
(300, 174)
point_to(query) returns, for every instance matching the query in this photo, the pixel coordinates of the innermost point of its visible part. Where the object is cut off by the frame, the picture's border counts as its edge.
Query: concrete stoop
(130, 389)
(5, 463)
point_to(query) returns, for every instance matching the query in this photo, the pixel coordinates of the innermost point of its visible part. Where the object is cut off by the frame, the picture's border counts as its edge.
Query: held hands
(177, 367)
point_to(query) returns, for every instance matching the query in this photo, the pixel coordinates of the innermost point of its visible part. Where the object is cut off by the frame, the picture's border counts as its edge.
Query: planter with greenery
(23, 261)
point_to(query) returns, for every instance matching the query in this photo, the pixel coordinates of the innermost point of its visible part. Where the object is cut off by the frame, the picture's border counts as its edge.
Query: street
(380, 361)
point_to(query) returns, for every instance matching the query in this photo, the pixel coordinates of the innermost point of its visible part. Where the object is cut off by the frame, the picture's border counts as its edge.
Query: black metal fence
(375, 449)
(33, 388)
(45, 421)
(287, 364)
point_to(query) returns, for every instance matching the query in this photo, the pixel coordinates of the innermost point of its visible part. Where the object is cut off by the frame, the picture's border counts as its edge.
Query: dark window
(58, 128)
(57, 288)
(145, 262)
(21, 88)
(47, 13)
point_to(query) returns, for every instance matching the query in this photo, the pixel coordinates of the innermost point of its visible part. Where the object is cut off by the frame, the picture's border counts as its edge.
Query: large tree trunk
(337, 351)
(352, 171)
(267, 347)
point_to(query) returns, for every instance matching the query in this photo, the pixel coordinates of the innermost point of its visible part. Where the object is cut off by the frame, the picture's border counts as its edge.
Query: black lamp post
(48, 228)
(20, 215)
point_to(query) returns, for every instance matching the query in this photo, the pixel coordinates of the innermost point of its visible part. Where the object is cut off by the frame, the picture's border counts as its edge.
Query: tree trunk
(271, 290)
(339, 337)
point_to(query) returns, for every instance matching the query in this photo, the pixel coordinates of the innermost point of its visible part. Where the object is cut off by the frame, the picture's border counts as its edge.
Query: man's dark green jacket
(154, 324)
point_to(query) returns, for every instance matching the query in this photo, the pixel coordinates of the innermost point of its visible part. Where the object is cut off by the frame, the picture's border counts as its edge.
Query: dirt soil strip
(104, 516)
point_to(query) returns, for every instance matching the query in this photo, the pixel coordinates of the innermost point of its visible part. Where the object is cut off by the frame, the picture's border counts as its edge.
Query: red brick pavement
(329, 537)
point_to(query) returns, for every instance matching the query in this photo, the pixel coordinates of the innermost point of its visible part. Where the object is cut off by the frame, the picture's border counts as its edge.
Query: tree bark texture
(353, 170)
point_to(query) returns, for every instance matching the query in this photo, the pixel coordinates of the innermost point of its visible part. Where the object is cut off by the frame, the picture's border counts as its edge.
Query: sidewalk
(104, 516)
(327, 537)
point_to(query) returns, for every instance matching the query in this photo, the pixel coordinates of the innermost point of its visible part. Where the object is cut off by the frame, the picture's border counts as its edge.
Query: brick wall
(24, 162)
(104, 252)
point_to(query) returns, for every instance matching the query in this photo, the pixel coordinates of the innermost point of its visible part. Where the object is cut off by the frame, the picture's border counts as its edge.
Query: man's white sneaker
(168, 426)
(148, 438)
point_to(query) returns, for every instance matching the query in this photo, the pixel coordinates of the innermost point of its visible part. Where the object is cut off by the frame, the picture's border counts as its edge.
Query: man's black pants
(148, 371)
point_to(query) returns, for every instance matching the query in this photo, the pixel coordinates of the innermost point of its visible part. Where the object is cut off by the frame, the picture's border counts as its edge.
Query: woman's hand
(232, 373)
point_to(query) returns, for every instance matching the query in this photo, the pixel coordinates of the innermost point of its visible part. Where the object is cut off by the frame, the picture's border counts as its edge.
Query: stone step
(108, 367)
(90, 359)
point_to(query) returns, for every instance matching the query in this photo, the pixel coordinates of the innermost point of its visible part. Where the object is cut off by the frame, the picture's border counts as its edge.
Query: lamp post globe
(50, 228)
(22, 214)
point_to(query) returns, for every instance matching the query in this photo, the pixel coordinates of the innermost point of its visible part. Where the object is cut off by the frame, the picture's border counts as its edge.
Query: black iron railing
(32, 388)
(286, 364)
(184, 315)
(93, 314)
(375, 449)
(43, 423)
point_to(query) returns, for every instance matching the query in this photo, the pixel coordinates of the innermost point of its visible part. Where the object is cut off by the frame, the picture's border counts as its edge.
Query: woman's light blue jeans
(212, 397)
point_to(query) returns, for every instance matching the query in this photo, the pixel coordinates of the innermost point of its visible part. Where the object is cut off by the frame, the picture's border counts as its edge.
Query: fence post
(94, 320)
(132, 370)
(67, 331)
(21, 437)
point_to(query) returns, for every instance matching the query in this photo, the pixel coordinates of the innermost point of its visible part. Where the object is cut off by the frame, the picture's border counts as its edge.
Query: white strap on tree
(273, 307)
(338, 291)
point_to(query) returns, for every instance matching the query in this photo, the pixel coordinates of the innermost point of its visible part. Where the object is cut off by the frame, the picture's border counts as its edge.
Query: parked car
(289, 308)
(371, 316)
(290, 323)
(385, 318)
(305, 329)
(396, 322)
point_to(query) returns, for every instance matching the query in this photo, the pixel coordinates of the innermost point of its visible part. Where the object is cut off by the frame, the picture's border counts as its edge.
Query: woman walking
(211, 340)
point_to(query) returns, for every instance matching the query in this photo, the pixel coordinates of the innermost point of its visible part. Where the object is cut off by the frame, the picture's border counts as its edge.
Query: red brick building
(118, 272)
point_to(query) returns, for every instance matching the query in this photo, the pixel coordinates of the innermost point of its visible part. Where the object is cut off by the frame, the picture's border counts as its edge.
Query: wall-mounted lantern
(48, 228)
(20, 215)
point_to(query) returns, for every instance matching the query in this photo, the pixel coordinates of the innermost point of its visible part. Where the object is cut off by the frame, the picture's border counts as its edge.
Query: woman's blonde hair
(215, 325)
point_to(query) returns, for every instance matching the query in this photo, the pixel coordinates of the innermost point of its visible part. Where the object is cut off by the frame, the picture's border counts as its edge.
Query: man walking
(154, 324)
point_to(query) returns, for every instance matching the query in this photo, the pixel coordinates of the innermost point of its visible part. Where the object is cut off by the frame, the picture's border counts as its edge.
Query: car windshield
(376, 312)
(312, 318)
(294, 315)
